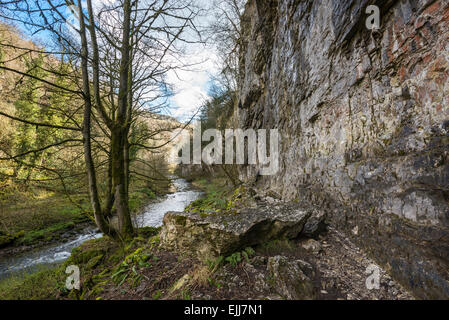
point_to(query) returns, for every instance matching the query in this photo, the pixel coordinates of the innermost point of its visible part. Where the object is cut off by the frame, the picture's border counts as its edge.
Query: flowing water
(152, 216)
(178, 201)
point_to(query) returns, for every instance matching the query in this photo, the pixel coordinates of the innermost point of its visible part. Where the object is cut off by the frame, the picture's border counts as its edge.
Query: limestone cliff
(363, 118)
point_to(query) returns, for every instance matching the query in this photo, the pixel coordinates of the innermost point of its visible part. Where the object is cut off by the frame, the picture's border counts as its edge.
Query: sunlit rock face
(214, 235)
(364, 122)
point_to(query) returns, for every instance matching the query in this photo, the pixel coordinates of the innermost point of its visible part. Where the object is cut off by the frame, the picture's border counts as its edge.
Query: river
(151, 216)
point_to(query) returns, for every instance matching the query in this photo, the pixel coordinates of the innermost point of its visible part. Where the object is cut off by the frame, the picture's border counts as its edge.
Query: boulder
(220, 234)
(291, 279)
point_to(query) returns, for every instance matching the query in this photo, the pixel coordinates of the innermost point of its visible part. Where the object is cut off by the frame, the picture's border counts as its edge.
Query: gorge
(347, 199)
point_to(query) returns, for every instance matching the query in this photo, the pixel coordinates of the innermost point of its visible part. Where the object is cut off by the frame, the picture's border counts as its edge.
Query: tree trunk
(119, 181)
(86, 130)
(109, 191)
(120, 133)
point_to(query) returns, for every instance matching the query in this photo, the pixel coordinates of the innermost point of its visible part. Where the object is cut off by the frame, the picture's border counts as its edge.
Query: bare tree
(226, 34)
(118, 53)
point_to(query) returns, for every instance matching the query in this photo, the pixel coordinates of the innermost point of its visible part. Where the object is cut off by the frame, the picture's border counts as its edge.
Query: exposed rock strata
(364, 122)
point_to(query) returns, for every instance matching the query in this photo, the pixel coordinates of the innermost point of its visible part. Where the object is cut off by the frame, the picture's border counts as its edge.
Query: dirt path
(328, 268)
(344, 267)
(340, 273)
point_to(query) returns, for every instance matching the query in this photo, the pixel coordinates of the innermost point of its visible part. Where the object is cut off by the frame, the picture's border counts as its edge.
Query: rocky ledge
(210, 236)
(318, 263)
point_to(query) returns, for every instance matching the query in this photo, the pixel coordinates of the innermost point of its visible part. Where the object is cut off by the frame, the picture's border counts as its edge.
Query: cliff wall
(363, 118)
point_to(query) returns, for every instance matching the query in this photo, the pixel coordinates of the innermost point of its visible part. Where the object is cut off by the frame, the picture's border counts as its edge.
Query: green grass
(41, 285)
(215, 199)
(44, 216)
(42, 219)
(47, 234)
(49, 281)
(104, 265)
(219, 197)
(35, 214)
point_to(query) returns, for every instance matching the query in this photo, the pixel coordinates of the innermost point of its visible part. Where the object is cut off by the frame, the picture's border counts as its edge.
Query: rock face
(363, 118)
(292, 278)
(222, 234)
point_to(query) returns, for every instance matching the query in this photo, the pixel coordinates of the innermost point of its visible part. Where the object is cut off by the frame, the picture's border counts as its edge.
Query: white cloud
(190, 86)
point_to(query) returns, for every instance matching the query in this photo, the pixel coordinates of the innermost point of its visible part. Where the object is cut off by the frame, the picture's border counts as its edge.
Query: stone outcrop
(363, 118)
(222, 234)
(292, 278)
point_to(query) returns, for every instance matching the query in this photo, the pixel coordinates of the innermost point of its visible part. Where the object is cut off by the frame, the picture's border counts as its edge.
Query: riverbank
(51, 225)
(42, 218)
(144, 271)
(328, 265)
(38, 217)
(17, 261)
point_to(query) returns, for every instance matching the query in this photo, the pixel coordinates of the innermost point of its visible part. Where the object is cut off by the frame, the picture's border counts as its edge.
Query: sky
(189, 86)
